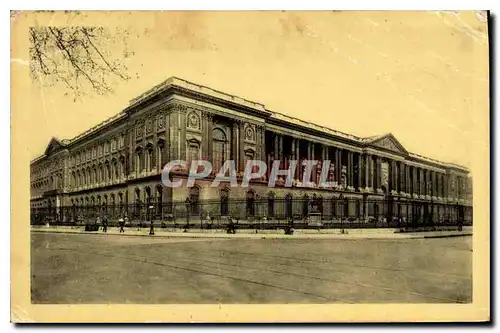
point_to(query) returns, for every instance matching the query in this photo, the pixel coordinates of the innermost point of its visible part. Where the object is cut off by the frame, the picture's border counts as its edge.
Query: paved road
(80, 268)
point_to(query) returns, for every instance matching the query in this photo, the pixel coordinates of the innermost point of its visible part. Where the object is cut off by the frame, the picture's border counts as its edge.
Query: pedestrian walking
(151, 229)
(105, 224)
(97, 223)
(121, 223)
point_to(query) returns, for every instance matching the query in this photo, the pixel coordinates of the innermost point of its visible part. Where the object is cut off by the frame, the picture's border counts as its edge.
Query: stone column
(338, 164)
(241, 146)
(379, 173)
(408, 185)
(422, 182)
(297, 157)
(360, 172)
(294, 156)
(402, 177)
(312, 157)
(433, 184)
(367, 170)
(415, 181)
(276, 146)
(440, 185)
(426, 182)
(429, 183)
(349, 169)
(443, 185)
(280, 148)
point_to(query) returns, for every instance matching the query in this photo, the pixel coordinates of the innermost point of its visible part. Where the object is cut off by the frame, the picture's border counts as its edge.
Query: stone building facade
(119, 161)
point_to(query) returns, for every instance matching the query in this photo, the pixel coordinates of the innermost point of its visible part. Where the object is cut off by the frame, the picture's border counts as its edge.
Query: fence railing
(264, 213)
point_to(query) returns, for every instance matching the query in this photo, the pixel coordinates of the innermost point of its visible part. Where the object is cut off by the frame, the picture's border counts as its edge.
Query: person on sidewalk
(97, 223)
(105, 224)
(121, 223)
(151, 229)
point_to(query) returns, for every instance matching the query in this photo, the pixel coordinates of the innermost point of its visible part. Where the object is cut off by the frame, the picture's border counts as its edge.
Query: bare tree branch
(66, 54)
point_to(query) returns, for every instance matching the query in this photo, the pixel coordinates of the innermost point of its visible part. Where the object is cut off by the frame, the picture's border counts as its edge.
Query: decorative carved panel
(149, 126)
(193, 121)
(250, 133)
(160, 122)
(138, 131)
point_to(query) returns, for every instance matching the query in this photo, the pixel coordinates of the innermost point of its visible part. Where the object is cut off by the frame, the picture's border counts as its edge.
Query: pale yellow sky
(421, 75)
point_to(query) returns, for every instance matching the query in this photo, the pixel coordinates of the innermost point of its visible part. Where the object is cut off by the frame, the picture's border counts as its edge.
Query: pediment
(53, 146)
(389, 142)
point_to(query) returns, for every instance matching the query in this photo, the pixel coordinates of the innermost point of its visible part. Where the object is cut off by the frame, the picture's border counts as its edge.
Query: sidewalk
(266, 234)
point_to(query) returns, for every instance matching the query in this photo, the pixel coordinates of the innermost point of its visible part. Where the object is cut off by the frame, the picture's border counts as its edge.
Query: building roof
(203, 90)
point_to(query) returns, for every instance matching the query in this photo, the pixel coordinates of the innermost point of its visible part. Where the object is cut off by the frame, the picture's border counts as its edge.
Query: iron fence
(265, 213)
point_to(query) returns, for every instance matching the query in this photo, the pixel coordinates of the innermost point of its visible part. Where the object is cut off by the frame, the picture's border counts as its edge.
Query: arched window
(107, 169)
(161, 153)
(193, 152)
(138, 160)
(115, 169)
(224, 202)
(149, 157)
(194, 198)
(122, 166)
(250, 206)
(218, 149)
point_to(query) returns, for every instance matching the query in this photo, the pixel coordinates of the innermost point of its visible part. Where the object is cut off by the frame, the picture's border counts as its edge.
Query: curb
(263, 236)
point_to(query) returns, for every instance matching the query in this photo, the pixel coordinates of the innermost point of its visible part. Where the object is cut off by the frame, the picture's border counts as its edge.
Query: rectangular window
(193, 153)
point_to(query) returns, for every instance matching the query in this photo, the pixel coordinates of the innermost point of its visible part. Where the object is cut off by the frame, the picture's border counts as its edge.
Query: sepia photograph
(258, 166)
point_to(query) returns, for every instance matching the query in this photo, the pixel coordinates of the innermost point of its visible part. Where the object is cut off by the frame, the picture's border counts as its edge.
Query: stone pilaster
(235, 144)
(338, 164)
(261, 130)
(182, 133)
(241, 146)
(206, 151)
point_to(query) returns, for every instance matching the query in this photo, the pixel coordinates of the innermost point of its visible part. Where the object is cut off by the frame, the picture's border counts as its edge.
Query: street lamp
(151, 229)
(342, 211)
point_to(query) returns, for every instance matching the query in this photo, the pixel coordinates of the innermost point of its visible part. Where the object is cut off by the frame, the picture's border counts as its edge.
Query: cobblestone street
(90, 268)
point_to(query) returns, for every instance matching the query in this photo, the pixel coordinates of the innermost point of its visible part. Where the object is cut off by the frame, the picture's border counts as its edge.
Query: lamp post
(342, 212)
(151, 229)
